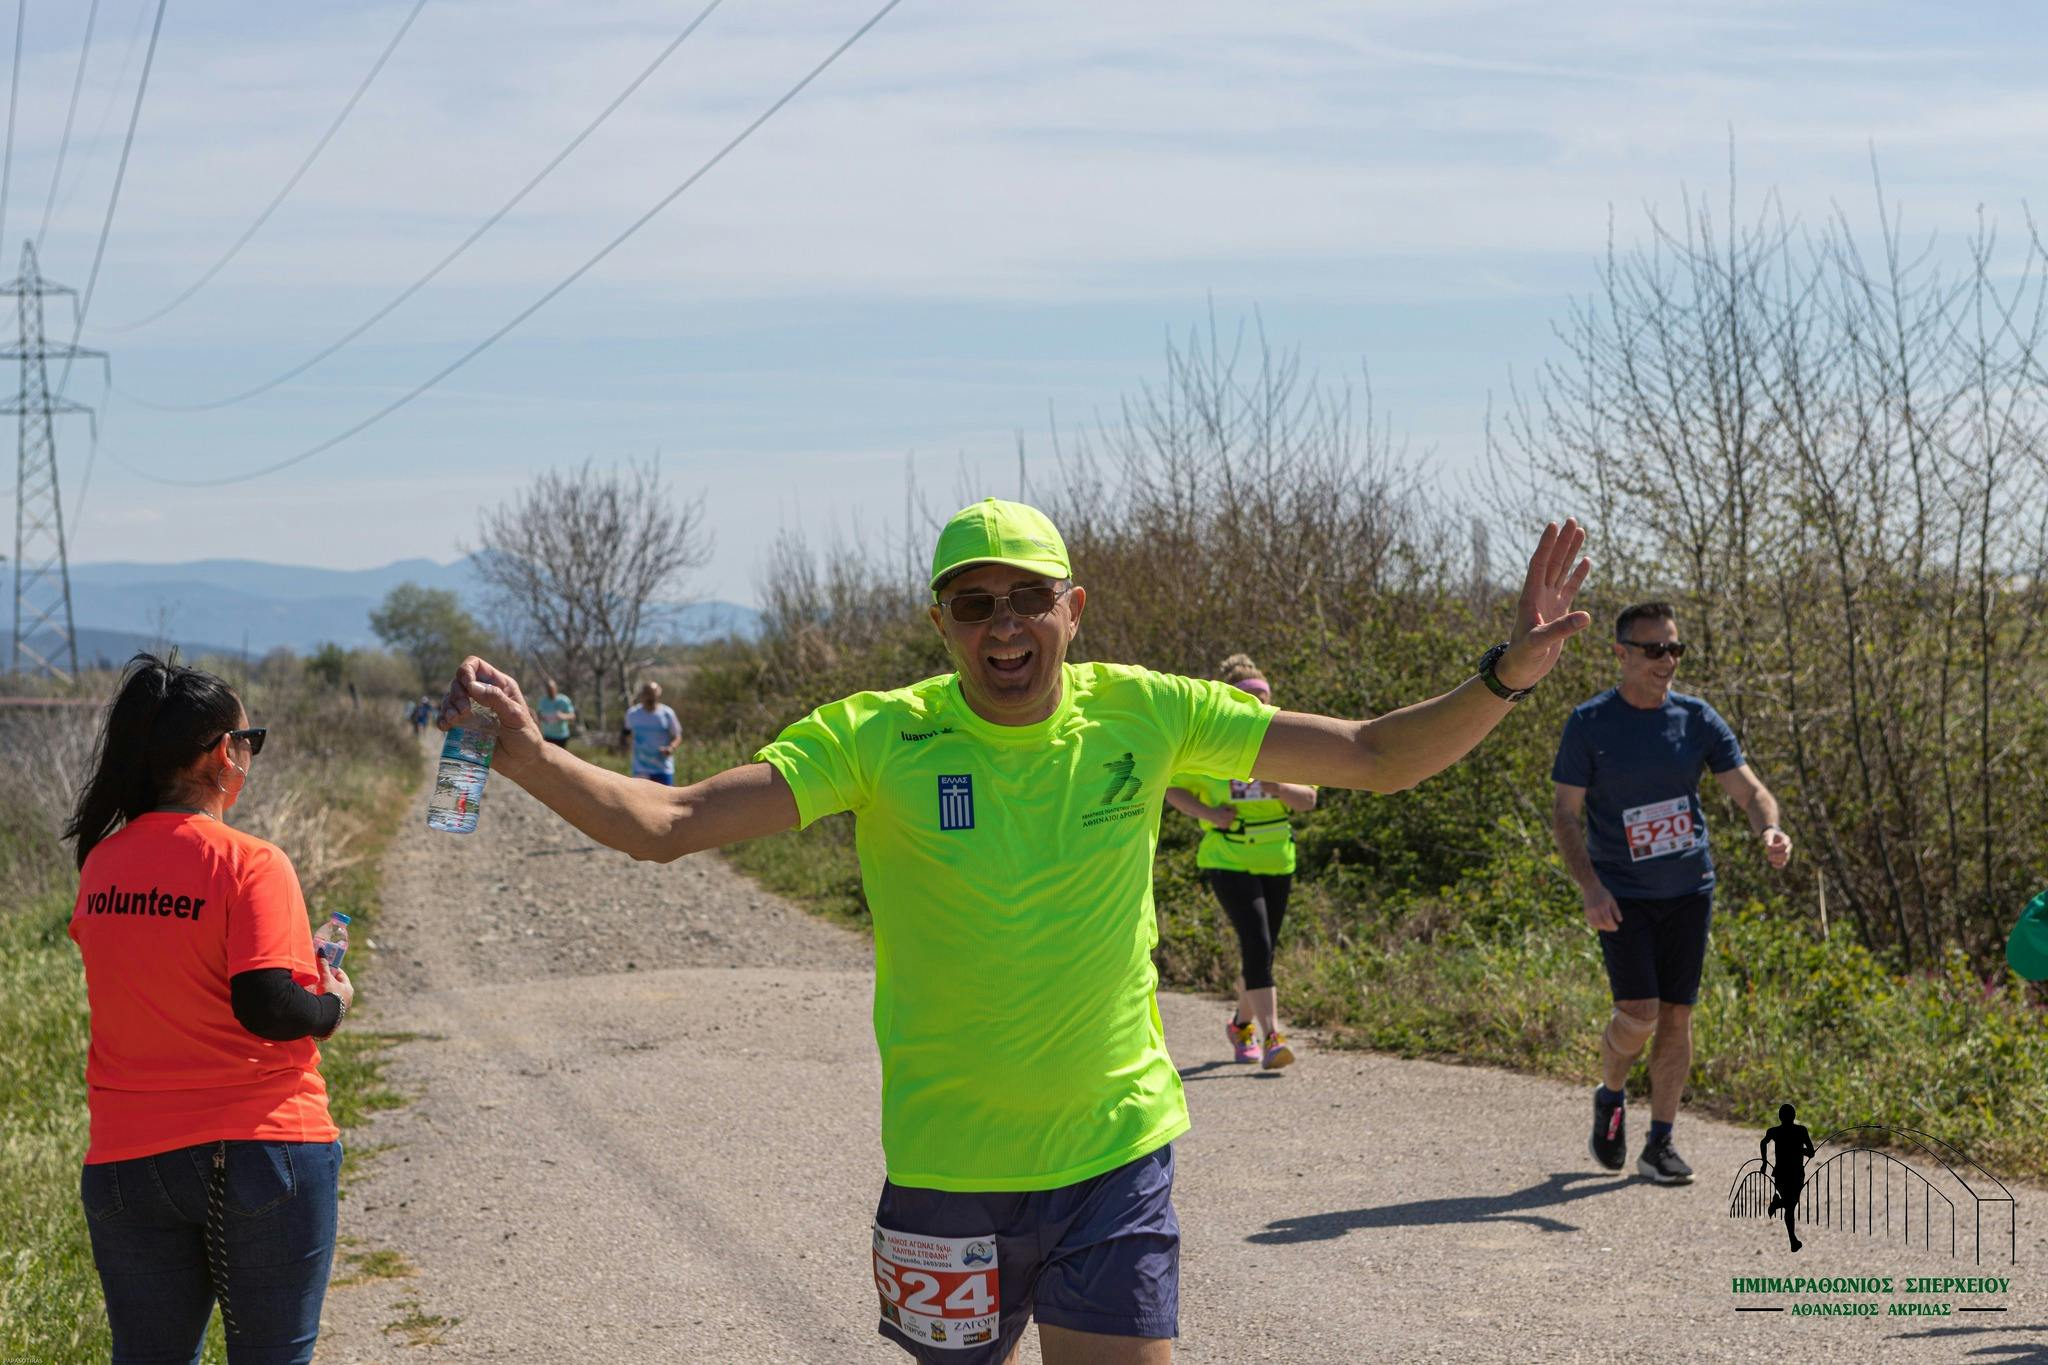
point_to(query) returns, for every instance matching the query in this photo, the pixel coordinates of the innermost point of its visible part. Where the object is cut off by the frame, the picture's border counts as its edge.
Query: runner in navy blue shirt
(1629, 767)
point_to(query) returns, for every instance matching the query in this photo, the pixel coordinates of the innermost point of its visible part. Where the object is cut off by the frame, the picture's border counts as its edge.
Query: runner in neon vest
(1247, 857)
(1006, 819)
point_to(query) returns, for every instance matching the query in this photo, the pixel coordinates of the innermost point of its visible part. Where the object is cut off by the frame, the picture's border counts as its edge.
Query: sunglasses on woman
(254, 734)
(972, 608)
(1657, 649)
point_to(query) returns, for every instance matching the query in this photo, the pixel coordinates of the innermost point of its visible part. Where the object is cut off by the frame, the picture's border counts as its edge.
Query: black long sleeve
(271, 1005)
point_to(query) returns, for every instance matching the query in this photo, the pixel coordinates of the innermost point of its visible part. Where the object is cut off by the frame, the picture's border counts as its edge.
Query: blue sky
(983, 211)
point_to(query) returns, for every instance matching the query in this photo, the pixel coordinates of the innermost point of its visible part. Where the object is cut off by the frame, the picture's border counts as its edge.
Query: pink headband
(1258, 687)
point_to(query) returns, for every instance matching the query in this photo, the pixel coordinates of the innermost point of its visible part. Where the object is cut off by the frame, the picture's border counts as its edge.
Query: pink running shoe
(1240, 1036)
(1278, 1054)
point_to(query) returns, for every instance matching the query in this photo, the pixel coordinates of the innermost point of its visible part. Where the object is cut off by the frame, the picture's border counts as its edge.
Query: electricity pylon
(42, 575)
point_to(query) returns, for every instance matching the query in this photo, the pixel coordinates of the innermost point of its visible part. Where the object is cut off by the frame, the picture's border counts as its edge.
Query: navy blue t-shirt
(1640, 767)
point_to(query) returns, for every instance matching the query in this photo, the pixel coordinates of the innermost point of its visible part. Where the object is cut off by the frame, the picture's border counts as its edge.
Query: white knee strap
(1626, 1033)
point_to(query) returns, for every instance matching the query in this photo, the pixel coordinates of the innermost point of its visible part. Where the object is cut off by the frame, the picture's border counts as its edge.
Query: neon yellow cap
(996, 532)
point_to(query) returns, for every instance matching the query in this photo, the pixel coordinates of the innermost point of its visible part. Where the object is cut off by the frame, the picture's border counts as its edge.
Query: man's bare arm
(1567, 827)
(1748, 792)
(1395, 751)
(1389, 754)
(650, 821)
(655, 823)
(1296, 796)
(1192, 806)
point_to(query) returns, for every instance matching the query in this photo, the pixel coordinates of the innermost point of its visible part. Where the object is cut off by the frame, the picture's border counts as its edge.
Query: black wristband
(1492, 679)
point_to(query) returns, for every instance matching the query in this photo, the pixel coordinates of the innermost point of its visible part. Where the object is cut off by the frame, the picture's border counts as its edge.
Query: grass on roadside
(360, 1267)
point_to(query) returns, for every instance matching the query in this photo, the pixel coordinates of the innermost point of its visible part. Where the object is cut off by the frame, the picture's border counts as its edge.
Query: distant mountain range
(229, 605)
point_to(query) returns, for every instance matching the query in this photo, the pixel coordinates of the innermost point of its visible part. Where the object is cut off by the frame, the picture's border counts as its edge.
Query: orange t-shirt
(170, 907)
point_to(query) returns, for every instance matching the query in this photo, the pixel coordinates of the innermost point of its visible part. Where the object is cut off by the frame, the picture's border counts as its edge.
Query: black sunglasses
(972, 608)
(254, 734)
(1657, 649)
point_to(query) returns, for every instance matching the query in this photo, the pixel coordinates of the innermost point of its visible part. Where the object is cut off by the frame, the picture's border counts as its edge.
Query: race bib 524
(940, 1290)
(1660, 828)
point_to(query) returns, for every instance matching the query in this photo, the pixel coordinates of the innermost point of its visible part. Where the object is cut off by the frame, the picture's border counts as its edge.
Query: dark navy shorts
(1660, 948)
(1099, 1256)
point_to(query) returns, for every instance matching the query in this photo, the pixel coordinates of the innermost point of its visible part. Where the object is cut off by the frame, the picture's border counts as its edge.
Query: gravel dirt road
(645, 1129)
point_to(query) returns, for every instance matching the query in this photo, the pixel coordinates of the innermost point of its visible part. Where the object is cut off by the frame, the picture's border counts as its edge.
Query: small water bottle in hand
(465, 763)
(330, 940)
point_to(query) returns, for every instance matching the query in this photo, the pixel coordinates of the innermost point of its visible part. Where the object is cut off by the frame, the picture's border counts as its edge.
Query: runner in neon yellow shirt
(1247, 857)
(1006, 816)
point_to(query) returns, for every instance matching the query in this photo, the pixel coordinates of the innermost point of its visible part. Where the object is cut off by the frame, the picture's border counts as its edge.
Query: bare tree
(587, 564)
(1831, 448)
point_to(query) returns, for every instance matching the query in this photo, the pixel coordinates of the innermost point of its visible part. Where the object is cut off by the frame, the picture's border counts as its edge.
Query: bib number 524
(942, 1291)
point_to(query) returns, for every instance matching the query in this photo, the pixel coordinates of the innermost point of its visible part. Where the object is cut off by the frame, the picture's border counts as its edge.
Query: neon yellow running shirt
(1009, 873)
(1262, 841)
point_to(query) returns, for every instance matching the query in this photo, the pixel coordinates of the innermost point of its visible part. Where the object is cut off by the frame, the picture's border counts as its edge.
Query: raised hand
(1544, 618)
(476, 684)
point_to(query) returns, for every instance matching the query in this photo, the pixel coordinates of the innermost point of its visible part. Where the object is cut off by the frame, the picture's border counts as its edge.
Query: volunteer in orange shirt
(212, 1165)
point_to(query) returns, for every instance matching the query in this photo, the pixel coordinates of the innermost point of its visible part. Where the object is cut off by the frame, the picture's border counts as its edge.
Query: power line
(107, 106)
(70, 114)
(473, 352)
(113, 200)
(464, 245)
(289, 185)
(13, 90)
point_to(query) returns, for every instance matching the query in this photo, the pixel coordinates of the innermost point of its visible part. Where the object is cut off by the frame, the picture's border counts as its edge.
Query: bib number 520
(1660, 828)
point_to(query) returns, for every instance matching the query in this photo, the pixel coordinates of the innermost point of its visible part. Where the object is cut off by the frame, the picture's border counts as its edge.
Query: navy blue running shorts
(1101, 1256)
(1660, 948)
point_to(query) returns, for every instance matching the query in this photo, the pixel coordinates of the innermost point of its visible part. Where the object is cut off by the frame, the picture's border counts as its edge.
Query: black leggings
(1256, 904)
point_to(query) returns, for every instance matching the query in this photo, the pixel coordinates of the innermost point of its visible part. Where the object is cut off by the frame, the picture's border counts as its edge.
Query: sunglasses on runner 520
(254, 734)
(972, 608)
(1657, 649)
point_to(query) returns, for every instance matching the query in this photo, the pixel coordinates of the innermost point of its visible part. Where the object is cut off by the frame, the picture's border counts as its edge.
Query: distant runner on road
(1007, 816)
(653, 733)
(1629, 766)
(557, 715)
(1247, 857)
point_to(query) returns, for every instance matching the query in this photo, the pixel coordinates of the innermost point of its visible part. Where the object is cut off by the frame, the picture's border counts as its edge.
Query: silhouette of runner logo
(1876, 1180)
(1787, 1166)
(1122, 775)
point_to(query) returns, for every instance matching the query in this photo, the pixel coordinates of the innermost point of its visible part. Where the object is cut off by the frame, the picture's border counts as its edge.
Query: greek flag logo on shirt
(956, 802)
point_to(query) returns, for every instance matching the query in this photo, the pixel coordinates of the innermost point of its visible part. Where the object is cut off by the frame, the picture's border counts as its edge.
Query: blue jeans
(148, 1220)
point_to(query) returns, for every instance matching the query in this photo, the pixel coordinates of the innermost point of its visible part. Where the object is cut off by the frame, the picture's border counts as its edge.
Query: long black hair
(165, 716)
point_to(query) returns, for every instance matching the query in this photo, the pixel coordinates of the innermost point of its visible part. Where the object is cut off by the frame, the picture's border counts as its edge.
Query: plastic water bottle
(459, 785)
(330, 940)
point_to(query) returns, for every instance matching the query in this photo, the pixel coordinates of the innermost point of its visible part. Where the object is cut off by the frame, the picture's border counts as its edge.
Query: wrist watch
(341, 1015)
(1768, 828)
(1492, 679)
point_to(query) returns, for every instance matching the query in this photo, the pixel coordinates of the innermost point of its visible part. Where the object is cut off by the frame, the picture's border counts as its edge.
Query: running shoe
(1661, 1162)
(1278, 1054)
(1242, 1047)
(1609, 1143)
